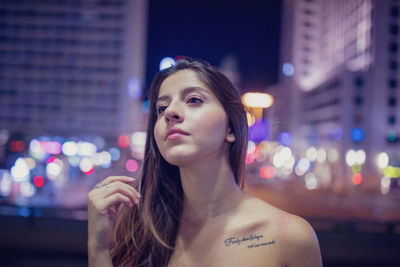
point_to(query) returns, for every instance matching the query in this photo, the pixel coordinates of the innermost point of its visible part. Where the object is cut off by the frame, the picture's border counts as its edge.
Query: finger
(125, 179)
(113, 200)
(118, 187)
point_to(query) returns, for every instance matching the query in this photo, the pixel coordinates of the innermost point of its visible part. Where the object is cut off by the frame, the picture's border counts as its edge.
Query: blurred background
(321, 78)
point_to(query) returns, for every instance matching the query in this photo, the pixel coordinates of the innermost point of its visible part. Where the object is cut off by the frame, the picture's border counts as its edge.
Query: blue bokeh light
(288, 69)
(357, 134)
(285, 138)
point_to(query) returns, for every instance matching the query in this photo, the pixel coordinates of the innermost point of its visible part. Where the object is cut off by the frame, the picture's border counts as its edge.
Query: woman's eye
(195, 100)
(161, 109)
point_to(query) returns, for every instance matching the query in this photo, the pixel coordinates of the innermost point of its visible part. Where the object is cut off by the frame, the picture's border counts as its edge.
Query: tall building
(340, 74)
(72, 67)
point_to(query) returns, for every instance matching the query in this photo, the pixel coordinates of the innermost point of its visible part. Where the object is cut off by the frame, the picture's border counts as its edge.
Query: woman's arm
(103, 204)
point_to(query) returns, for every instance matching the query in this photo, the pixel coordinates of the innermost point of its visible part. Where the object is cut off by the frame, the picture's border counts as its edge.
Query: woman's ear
(230, 136)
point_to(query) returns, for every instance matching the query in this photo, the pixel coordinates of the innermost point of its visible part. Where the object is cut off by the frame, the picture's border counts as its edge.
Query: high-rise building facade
(71, 67)
(342, 86)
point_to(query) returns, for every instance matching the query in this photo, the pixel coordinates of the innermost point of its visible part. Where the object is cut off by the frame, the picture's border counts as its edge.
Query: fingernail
(138, 195)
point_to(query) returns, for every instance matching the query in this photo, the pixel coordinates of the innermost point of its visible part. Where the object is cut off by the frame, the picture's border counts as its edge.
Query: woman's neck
(210, 190)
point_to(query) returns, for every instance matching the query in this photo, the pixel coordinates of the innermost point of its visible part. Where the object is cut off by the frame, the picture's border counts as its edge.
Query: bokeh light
(382, 160)
(38, 181)
(258, 100)
(311, 181)
(312, 153)
(288, 69)
(267, 172)
(285, 138)
(357, 178)
(123, 141)
(166, 62)
(131, 165)
(357, 134)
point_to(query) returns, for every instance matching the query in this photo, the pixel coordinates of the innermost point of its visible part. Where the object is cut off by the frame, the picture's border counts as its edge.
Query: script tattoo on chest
(251, 241)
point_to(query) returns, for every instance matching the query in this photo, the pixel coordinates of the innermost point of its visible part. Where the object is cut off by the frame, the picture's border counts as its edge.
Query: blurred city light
(333, 155)
(145, 106)
(17, 146)
(5, 183)
(267, 172)
(166, 63)
(385, 185)
(38, 181)
(51, 147)
(30, 162)
(86, 149)
(351, 157)
(285, 138)
(357, 178)
(391, 136)
(54, 168)
(138, 142)
(20, 171)
(382, 160)
(288, 69)
(134, 88)
(86, 165)
(115, 153)
(321, 155)
(357, 134)
(259, 131)
(250, 119)
(131, 165)
(360, 157)
(123, 141)
(251, 147)
(311, 181)
(392, 171)
(303, 165)
(311, 153)
(99, 142)
(27, 190)
(258, 100)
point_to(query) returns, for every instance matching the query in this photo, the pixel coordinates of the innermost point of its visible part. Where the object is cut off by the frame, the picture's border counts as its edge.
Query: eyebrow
(185, 92)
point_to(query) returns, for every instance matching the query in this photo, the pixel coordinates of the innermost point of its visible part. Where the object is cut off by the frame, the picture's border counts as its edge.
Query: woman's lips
(175, 133)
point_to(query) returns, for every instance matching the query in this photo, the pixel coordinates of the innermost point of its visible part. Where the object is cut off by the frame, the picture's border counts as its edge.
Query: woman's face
(191, 123)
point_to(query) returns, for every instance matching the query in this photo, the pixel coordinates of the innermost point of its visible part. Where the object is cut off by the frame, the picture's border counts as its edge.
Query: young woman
(190, 209)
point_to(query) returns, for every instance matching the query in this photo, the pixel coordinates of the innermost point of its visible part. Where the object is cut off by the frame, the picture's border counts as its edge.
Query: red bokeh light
(38, 181)
(267, 172)
(357, 178)
(123, 141)
(17, 146)
(50, 160)
(89, 172)
(250, 158)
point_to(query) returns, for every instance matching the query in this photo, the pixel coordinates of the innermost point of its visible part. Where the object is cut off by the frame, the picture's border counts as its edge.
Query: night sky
(211, 30)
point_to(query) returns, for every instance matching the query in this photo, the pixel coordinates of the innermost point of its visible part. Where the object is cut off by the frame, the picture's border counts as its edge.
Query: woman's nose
(173, 115)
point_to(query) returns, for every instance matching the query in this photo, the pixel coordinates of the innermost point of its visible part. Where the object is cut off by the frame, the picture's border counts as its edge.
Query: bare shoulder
(296, 241)
(301, 243)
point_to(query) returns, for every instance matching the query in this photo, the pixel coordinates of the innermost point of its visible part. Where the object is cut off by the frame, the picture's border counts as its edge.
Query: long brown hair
(145, 235)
